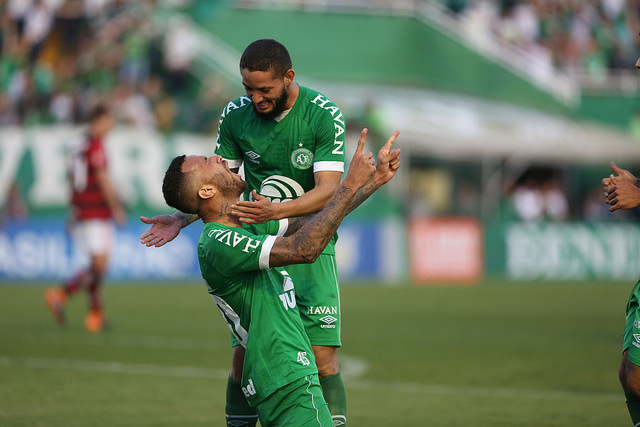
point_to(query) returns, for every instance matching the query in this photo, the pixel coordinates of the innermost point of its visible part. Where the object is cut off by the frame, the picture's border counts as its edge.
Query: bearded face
(280, 104)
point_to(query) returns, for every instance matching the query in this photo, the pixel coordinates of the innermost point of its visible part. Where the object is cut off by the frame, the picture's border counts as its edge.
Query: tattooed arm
(312, 234)
(388, 164)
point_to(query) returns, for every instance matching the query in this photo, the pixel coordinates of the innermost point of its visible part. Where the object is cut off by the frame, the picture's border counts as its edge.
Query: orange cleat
(95, 321)
(56, 300)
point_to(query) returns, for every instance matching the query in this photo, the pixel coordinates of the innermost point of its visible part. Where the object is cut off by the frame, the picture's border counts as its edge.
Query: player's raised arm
(388, 164)
(306, 244)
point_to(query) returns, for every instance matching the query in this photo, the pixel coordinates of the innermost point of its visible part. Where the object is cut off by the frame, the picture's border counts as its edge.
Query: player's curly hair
(266, 55)
(176, 189)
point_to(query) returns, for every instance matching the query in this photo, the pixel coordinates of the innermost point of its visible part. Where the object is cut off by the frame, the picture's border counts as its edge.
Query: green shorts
(631, 340)
(299, 403)
(318, 298)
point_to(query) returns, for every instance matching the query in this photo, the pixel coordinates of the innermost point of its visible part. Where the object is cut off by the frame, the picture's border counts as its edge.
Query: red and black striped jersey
(87, 199)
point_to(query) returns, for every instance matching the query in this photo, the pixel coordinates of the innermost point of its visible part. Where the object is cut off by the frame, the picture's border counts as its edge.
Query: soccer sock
(95, 295)
(78, 281)
(633, 404)
(336, 397)
(237, 409)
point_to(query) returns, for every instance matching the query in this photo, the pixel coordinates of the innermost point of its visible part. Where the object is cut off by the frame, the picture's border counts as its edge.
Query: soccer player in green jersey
(290, 140)
(623, 192)
(255, 296)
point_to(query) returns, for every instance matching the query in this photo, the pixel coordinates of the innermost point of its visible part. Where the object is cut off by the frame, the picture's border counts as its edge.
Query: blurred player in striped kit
(94, 204)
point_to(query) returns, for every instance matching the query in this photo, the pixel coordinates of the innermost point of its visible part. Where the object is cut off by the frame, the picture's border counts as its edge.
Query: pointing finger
(361, 141)
(615, 167)
(391, 140)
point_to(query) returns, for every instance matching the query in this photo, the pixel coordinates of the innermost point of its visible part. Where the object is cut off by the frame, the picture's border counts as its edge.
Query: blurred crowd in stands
(590, 37)
(60, 57)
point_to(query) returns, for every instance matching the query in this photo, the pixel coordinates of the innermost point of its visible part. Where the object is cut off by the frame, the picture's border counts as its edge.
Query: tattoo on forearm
(296, 224)
(363, 194)
(307, 237)
(315, 232)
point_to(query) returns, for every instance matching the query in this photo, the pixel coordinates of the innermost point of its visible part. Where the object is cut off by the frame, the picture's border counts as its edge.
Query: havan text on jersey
(338, 121)
(232, 238)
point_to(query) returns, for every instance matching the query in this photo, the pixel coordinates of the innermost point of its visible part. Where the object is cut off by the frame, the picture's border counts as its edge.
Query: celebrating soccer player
(256, 298)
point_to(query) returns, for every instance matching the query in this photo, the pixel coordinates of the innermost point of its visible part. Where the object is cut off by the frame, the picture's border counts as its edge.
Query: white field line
(113, 367)
(222, 374)
(155, 342)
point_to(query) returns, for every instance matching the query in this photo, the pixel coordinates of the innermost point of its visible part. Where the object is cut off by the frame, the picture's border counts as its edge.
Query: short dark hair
(175, 188)
(266, 55)
(97, 111)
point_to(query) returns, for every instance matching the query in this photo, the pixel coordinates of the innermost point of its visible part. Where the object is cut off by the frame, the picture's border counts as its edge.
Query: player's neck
(221, 214)
(292, 95)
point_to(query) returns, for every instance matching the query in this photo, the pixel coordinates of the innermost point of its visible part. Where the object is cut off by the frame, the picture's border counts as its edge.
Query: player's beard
(278, 108)
(234, 187)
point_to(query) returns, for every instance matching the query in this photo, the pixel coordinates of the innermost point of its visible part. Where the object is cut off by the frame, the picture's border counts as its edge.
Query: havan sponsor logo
(338, 122)
(322, 310)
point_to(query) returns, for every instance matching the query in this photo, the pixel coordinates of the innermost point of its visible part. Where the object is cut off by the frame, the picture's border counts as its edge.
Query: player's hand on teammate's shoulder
(362, 165)
(258, 211)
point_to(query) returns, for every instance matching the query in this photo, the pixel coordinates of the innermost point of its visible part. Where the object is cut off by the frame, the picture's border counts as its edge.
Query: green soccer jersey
(259, 306)
(281, 156)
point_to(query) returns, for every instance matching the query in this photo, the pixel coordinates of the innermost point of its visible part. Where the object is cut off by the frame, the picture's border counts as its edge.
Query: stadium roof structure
(457, 127)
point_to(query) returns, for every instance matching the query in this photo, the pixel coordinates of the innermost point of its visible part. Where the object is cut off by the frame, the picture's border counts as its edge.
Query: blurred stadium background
(509, 113)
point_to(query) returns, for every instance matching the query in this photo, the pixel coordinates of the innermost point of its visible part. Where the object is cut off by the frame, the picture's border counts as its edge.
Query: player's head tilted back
(267, 76)
(192, 182)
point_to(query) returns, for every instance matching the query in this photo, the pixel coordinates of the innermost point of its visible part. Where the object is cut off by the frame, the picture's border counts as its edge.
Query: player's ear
(207, 191)
(288, 77)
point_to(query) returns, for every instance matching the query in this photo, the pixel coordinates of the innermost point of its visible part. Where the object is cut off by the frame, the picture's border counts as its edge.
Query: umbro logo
(328, 320)
(252, 156)
(339, 420)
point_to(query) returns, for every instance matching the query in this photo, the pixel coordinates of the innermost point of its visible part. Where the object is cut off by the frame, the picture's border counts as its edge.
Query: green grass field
(523, 354)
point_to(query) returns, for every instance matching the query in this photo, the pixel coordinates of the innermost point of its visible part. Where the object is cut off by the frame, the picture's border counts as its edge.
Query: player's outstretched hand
(259, 211)
(622, 175)
(361, 167)
(164, 228)
(623, 195)
(388, 161)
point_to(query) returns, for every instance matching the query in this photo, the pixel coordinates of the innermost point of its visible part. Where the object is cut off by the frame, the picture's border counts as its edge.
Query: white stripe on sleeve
(266, 251)
(328, 166)
(284, 226)
(234, 163)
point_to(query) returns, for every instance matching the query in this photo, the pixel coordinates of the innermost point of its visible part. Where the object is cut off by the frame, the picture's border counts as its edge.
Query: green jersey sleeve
(274, 227)
(226, 145)
(330, 134)
(231, 251)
